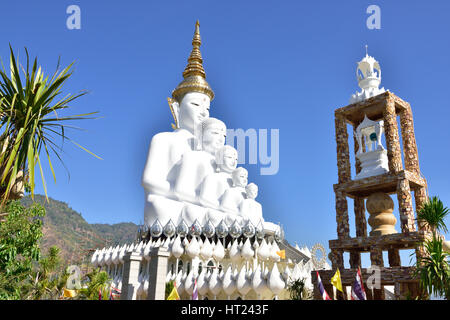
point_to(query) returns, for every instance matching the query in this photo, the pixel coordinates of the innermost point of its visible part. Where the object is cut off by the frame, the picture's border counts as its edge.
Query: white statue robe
(251, 210)
(164, 155)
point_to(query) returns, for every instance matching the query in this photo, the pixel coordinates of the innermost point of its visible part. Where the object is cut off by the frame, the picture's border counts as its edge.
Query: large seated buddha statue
(190, 175)
(190, 106)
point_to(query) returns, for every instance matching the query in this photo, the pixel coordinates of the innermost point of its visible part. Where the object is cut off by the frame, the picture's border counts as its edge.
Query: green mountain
(67, 229)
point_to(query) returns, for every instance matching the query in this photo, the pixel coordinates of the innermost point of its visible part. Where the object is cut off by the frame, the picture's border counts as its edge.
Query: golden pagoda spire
(194, 74)
(195, 60)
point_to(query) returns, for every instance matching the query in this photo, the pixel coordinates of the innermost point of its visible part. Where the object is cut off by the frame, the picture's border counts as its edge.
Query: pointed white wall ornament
(218, 251)
(259, 284)
(215, 284)
(202, 282)
(275, 282)
(243, 283)
(193, 248)
(229, 283)
(234, 252)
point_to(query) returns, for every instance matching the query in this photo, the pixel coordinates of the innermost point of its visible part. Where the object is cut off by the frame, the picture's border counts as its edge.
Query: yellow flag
(282, 254)
(173, 294)
(336, 280)
(69, 293)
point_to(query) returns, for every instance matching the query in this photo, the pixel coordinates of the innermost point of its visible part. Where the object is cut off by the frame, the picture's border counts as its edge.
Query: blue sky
(283, 65)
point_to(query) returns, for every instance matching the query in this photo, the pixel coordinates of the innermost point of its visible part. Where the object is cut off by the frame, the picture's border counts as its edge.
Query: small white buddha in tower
(368, 75)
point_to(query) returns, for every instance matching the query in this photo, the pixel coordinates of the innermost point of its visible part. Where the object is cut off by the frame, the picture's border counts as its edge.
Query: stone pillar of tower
(378, 177)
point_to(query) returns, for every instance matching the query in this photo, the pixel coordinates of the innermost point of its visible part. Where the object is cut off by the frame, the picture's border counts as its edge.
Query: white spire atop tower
(368, 75)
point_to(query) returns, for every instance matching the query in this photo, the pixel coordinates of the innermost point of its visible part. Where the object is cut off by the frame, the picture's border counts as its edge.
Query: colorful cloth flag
(115, 293)
(324, 294)
(195, 292)
(69, 293)
(282, 254)
(336, 281)
(174, 293)
(358, 292)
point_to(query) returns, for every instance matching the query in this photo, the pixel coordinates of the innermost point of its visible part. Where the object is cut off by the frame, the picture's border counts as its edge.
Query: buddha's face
(229, 160)
(252, 191)
(193, 109)
(240, 177)
(213, 137)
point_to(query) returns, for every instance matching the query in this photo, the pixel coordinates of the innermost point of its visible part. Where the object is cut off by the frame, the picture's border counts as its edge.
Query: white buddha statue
(233, 197)
(167, 148)
(251, 210)
(195, 166)
(215, 184)
(190, 106)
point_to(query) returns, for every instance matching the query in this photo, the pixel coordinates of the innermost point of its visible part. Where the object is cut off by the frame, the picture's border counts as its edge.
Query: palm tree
(30, 122)
(433, 269)
(97, 288)
(433, 214)
(298, 290)
(432, 266)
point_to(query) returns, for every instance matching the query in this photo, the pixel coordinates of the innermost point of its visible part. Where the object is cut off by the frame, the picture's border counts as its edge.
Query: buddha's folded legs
(163, 209)
(215, 216)
(230, 218)
(191, 212)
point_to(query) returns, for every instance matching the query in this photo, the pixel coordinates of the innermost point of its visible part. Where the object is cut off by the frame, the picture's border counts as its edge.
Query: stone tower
(372, 112)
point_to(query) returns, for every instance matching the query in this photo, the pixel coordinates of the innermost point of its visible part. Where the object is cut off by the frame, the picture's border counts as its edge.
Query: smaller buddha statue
(251, 210)
(233, 197)
(215, 184)
(196, 165)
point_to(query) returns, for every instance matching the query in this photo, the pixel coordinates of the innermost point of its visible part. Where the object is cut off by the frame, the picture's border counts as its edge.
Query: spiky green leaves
(30, 121)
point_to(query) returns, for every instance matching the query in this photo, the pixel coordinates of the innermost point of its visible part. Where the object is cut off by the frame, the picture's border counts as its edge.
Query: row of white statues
(245, 268)
(194, 176)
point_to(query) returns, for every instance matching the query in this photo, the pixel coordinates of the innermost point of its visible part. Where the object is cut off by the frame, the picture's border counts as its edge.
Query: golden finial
(194, 75)
(195, 60)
